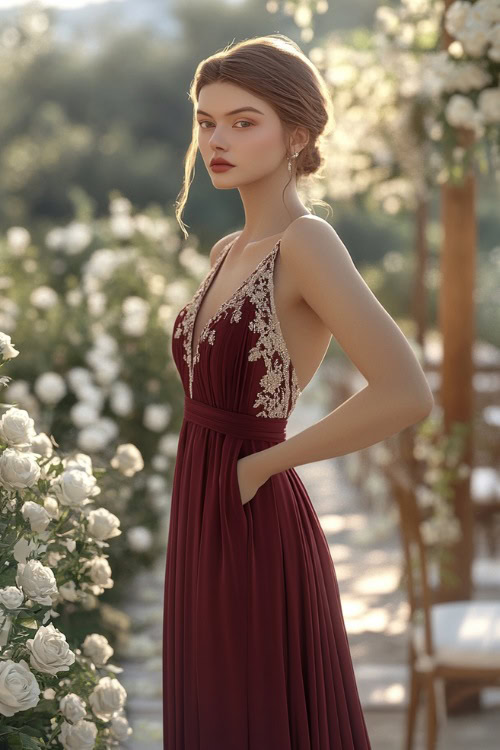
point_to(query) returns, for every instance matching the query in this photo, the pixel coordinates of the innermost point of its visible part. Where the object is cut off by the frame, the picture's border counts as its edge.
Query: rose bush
(52, 555)
(101, 294)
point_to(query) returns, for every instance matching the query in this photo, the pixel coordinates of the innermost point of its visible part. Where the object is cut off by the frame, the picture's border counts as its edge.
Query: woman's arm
(397, 394)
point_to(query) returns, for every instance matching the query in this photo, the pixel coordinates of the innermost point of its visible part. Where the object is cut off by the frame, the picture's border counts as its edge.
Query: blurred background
(95, 120)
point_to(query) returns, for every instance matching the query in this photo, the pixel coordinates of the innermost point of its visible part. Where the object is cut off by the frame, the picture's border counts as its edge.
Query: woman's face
(253, 141)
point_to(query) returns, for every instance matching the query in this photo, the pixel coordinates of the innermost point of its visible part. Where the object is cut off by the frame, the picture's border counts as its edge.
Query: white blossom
(107, 698)
(99, 572)
(7, 350)
(19, 689)
(120, 727)
(50, 388)
(73, 487)
(17, 428)
(50, 651)
(127, 459)
(11, 597)
(139, 538)
(156, 417)
(43, 297)
(42, 445)
(489, 105)
(68, 591)
(97, 648)
(72, 707)
(36, 514)
(18, 240)
(37, 581)
(102, 524)
(18, 469)
(79, 736)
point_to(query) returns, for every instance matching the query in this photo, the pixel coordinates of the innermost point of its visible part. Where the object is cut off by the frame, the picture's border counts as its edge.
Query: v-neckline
(211, 278)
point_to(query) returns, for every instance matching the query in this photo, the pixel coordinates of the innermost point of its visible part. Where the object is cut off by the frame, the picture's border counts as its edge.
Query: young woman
(255, 651)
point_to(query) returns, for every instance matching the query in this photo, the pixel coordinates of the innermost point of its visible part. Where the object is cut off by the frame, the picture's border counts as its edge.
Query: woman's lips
(221, 167)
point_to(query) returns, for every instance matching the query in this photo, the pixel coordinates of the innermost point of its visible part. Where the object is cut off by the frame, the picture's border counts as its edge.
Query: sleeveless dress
(255, 650)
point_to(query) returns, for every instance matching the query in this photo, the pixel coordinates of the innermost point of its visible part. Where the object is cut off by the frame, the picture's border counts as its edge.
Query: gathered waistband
(233, 422)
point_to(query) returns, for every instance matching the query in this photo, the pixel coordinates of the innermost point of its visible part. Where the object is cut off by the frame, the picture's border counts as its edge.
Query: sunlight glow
(62, 4)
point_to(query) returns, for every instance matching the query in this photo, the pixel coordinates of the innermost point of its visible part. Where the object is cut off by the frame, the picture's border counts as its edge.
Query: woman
(255, 651)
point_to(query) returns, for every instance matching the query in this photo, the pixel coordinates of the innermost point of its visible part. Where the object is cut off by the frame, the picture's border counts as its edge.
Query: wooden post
(456, 322)
(420, 288)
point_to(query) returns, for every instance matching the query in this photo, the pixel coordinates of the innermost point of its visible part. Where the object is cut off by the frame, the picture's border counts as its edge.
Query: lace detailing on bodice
(279, 384)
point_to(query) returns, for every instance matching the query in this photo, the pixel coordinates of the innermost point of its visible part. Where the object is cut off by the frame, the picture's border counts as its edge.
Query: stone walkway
(366, 553)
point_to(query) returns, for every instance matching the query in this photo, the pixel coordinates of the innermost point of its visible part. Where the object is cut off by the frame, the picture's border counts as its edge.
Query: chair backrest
(419, 589)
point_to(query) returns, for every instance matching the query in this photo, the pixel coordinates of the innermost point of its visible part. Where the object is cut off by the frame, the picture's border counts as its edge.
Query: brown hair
(274, 68)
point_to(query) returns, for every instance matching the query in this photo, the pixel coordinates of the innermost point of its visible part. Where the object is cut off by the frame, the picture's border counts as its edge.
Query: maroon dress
(255, 651)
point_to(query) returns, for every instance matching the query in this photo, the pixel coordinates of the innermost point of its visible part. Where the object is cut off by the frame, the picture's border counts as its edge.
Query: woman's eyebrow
(233, 111)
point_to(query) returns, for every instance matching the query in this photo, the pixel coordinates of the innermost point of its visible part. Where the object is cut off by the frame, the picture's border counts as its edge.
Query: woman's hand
(249, 476)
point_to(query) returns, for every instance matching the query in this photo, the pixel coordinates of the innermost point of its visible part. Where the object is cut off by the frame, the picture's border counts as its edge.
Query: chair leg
(415, 689)
(431, 712)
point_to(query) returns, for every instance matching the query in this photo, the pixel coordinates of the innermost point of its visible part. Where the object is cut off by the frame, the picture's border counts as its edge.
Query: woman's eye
(207, 122)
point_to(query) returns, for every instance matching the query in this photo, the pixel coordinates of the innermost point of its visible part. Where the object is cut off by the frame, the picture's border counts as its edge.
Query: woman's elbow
(423, 404)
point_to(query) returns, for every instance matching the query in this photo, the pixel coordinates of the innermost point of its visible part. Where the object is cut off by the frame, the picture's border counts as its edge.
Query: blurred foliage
(117, 117)
(101, 294)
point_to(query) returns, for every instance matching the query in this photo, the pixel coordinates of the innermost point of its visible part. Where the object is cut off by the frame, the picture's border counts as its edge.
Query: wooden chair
(458, 640)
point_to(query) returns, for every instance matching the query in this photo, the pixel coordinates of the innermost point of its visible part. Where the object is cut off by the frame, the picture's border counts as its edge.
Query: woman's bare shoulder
(221, 244)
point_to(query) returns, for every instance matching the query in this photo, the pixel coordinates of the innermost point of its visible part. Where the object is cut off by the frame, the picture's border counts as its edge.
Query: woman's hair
(275, 69)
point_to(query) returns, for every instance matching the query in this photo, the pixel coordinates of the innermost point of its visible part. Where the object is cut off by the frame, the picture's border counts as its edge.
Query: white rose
(11, 597)
(494, 36)
(18, 240)
(51, 506)
(460, 111)
(121, 399)
(99, 572)
(53, 558)
(79, 461)
(474, 40)
(72, 707)
(87, 600)
(23, 548)
(489, 105)
(79, 736)
(37, 581)
(43, 297)
(18, 469)
(456, 16)
(93, 437)
(139, 538)
(19, 689)
(127, 459)
(69, 591)
(102, 524)
(97, 648)
(42, 445)
(120, 727)
(7, 350)
(36, 514)
(156, 416)
(50, 651)
(50, 387)
(17, 427)
(107, 698)
(73, 487)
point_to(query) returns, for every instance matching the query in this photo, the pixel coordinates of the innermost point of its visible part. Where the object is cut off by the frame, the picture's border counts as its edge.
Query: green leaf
(7, 730)
(22, 741)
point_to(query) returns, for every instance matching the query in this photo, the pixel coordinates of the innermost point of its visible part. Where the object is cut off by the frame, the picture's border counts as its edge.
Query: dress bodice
(240, 361)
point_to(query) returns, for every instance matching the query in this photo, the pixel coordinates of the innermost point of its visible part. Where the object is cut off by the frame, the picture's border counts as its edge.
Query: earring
(294, 156)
